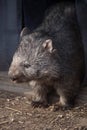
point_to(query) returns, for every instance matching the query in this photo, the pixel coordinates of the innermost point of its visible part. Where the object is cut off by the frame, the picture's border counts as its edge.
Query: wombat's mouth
(19, 79)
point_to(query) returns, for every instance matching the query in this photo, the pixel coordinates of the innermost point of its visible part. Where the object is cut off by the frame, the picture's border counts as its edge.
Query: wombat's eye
(26, 65)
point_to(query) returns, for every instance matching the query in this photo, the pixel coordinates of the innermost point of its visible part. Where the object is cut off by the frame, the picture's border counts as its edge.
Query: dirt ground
(16, 113)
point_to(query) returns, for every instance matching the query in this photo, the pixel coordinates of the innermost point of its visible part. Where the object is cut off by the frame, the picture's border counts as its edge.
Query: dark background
(16, 14)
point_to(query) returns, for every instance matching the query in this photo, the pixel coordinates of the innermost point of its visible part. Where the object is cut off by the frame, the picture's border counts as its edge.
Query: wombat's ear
(48, 45)
(24, 32)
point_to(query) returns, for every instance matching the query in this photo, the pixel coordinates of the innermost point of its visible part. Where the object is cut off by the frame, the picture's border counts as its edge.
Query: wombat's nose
(14, 75)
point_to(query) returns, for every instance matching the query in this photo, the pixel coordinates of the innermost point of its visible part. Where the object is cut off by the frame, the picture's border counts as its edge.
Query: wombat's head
(34, 59)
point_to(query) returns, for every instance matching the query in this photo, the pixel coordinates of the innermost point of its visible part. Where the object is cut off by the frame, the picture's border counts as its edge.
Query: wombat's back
(62, 26)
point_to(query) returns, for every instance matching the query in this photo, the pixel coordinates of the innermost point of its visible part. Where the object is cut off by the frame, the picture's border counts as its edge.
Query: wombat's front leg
(40, 95)
(67, 95)
(65, 101)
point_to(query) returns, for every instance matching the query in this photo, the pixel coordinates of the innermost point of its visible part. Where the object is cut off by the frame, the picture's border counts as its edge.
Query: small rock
(60, 116)
(8, 100)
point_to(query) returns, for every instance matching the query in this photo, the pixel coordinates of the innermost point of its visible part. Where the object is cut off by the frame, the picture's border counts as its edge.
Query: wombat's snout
(15, 75)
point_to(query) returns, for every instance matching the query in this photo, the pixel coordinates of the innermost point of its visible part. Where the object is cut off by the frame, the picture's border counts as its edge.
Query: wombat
(51, 56)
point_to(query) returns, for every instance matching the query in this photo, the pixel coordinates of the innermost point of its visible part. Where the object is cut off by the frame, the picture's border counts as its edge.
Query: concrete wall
(10, 26)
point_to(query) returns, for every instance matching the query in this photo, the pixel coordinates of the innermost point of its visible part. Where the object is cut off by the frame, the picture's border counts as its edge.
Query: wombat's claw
(39, 104)
(60, 107)
(66, 108)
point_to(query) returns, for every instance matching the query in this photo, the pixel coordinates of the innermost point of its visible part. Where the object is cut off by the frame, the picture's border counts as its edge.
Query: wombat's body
(51, 56)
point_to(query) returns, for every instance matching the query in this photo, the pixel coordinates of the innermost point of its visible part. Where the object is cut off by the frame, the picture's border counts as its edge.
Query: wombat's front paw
(59, 106)
(39, 104)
